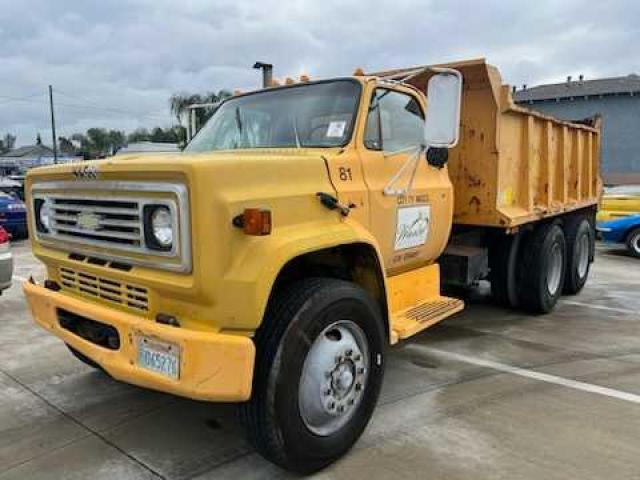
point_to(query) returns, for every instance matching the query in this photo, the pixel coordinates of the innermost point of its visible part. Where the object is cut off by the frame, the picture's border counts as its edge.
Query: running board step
(416, 318)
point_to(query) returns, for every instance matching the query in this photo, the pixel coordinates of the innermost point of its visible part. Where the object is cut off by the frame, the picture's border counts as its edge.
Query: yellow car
(620, 201)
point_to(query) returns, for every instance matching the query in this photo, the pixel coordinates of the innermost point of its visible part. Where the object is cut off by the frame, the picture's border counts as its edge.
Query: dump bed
(514, 165)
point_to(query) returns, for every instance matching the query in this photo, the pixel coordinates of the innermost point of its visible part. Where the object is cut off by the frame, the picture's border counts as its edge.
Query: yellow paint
(513, 165)
(222, 300)
(214, 366)
(618, 206)
(415, 286)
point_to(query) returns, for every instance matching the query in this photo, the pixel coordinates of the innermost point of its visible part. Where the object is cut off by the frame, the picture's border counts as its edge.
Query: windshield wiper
(295, 130)
(238, 119)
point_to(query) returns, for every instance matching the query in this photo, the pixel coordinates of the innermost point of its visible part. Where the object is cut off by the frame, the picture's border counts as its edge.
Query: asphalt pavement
(488, 394)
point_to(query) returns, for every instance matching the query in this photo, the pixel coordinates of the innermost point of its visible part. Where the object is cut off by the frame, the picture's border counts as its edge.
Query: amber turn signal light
(254, 221)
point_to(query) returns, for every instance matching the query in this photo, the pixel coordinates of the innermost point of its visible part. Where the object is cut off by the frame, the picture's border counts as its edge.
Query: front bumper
(213, 366)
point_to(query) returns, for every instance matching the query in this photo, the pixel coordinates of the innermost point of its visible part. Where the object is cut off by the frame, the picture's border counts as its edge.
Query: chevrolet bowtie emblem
(88, 221)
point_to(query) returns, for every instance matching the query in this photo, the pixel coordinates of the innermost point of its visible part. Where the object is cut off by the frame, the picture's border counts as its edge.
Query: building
(19, 160)
(149, 147)
(616, 99)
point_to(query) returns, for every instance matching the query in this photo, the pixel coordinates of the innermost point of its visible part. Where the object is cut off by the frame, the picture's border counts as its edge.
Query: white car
(6, 261)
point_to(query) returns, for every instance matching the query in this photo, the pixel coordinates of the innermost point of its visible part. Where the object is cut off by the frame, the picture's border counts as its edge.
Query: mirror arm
(413, 160)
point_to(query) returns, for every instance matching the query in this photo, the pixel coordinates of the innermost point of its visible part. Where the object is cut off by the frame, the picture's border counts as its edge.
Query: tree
(179, 103)
(66, 146)
(117, 140)
(98, 141)
(9, 141)
(138, 135)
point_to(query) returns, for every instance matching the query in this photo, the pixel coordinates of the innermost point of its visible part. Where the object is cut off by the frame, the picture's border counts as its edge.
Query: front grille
(104, 221)
(126, 295)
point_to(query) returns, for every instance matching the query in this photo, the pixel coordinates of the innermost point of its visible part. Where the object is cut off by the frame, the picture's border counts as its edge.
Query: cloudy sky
(114, 64)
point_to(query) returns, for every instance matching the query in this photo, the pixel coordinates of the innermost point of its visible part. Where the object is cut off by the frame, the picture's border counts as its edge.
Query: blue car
(13, 216)
(624, 230)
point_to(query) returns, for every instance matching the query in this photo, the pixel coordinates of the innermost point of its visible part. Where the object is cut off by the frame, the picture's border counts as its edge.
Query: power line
(90, 104)
(21, 99)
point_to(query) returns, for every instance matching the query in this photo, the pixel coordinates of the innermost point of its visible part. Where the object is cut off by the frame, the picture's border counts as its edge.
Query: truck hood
(141, 166)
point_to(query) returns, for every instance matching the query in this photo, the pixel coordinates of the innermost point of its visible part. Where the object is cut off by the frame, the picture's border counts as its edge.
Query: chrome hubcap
(554, 270)
(635, 244)
(583, 255)
(334, 376)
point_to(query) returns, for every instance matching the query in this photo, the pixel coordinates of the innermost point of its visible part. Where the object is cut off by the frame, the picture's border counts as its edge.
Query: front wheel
(318, 373)
(633, 242)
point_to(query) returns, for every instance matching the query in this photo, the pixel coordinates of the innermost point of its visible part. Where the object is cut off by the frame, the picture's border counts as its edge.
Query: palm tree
(180, 102)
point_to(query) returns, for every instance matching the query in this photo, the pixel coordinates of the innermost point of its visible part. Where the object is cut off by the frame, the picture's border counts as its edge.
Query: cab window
(395, 121)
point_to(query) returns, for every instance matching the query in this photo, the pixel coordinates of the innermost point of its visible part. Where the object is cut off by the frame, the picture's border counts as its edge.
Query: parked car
(619, 202)
(6, 261)
(624, 230)
(13, 185)
(13, 216)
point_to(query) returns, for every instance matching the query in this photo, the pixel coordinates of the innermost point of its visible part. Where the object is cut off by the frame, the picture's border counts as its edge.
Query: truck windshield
(306, 115)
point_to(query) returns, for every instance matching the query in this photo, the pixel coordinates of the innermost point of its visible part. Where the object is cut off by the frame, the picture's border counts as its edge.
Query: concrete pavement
(489, 394)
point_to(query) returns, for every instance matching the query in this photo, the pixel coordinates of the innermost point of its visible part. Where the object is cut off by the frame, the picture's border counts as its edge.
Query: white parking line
(597, 307)
(543, 377)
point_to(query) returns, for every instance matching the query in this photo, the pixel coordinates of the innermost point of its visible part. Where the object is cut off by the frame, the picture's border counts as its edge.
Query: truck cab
(273, 261)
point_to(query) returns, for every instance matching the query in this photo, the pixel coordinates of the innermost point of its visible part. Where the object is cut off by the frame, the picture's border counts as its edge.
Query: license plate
(159, 357)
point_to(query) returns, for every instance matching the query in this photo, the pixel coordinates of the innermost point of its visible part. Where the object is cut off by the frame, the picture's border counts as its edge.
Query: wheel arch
(266, 263)
(358, 262)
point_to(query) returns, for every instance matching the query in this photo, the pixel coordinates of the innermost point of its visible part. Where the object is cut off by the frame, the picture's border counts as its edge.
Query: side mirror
(444, 93)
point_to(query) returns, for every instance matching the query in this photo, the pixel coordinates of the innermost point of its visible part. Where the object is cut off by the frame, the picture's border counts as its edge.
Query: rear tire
(580, 239)
(290, 418)
(633, 242)
(503, 261)
(543, 268)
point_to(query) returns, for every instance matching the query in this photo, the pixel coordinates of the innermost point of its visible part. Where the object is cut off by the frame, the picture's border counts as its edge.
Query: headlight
(16, 207)
(158, 227)
(43, 213)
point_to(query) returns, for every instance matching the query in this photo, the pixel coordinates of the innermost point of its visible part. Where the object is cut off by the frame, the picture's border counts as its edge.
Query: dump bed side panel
(513, 165)
(547, 166)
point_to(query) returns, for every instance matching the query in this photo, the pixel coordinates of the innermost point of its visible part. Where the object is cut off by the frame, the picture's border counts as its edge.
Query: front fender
(248, 284)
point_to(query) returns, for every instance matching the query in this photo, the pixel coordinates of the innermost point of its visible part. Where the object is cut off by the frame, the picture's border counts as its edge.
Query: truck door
(412, 229)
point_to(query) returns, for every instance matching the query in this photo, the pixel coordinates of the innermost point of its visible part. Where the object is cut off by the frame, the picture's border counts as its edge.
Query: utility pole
(53, 127)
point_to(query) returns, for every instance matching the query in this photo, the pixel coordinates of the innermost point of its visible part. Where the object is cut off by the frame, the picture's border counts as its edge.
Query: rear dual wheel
(543, 267)
(318, 371)
(580, 245)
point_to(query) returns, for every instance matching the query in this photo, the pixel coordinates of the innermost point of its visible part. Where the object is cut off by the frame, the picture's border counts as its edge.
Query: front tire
(318, 373)
(543, 268)
(633, 242)
(83, 358)
(580, 239)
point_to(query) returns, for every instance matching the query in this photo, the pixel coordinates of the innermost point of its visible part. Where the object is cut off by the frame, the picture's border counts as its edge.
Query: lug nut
(340, 409)
(351, 401)
(358, 387)
(327, 391)
(348, 353)
(332, 405)
(361, 370)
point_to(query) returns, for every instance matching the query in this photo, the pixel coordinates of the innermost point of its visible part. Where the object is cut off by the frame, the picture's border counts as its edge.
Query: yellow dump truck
(304, 229)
